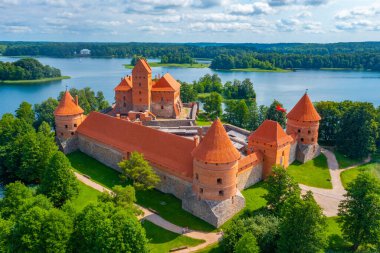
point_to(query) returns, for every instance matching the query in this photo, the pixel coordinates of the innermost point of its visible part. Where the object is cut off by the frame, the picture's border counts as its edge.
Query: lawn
(166, 205)
(43, 80)
(161, 240)
(202, 120)
(86, 195)
(345, 161)
(350, 175)
(313, 173)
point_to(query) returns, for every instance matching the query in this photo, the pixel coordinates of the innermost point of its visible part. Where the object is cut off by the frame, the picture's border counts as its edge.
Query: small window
(66, 126)
(75, 125)
(140, 99)
(219, 181)
(302, 139)
(61, 134)
(312, 139)
(221, 193)
(283, 153)
(162, 107)
(309, 132)
(140, 84)
(196, 176)
(72, 133)
(200, 190)
(124, 98)
(140, 92)
(125, 105)
(299, 130)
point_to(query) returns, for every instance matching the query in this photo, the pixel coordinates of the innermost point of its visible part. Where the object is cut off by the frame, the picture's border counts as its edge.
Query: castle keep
(208, 167)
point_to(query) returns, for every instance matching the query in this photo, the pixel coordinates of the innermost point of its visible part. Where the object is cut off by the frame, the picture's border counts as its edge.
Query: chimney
(196, 140)
(200, 133)
(76, 100)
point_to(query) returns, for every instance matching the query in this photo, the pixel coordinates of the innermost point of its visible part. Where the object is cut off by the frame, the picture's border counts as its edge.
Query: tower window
(140, 99)
(196, 176)
(72, 133)
(299, 130)
(140, 84)
(221, 193)
(200, 190)
(124, 98)
(162, 107)
(302, 139)
(61, 134)
(140, 92)
(125, 105)
(66, 126)
(219, 181)
(75, 125)
(312, 139)
(309, 132)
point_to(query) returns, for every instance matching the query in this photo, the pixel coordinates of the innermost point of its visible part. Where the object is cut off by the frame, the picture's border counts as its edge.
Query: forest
(26, 69)
(350, 55)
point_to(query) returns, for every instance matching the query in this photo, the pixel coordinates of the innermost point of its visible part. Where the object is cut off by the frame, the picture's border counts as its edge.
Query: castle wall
(307, 152)
(172, 184)
(293, 152)
(103, 153)
(250, 176)
(123, 101)
(66, 126)
(163, 110)
(307, 132)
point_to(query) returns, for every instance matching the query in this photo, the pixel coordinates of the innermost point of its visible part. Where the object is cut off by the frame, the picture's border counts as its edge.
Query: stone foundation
(307, 152)
(214, 212)
(293, 152)
(172, 184)
(100, 152)
(249, 177)
(69, 145)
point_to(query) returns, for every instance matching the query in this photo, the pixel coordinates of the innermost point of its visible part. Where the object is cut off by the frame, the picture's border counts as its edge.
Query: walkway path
(329, 199)
(209, 237)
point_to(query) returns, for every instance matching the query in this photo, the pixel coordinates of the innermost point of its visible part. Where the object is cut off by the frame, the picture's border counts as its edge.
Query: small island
(28, 70)
(171, 60)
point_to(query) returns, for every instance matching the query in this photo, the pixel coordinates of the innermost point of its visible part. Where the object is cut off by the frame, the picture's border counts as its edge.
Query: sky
(261, 21)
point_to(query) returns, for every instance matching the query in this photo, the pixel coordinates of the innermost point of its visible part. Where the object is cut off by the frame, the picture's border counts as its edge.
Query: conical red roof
(270, 132)
(304, 110)
(216, 146)
(125, 84)
(67, 106)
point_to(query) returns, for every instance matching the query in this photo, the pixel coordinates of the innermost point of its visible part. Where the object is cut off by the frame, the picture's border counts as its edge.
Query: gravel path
(329, 199)
(209, 237)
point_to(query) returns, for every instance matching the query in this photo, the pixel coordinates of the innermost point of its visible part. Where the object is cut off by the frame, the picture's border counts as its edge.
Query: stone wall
(172, 184)
(214, 212)
(293, 152)
(69, 145)
(100, 152)
(163, 110)
(307, 152)
(250, 176)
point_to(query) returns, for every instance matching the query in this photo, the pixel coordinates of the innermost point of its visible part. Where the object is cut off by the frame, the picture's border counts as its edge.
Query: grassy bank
(278, 70)
(166, 205)
(344, 161)
(313, 173)
(43, 80)
(173, 65)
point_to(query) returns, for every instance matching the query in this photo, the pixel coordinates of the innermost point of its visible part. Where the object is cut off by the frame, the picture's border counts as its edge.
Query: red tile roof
(164, 149)
(304, 110)
(270, 132)
(166, 83)
(67, 106)
(216, 146)
(125, 84)
(142, 64)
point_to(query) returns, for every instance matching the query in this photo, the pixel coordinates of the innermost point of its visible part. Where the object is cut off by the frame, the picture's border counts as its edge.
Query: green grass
(167, 206)
(161, 240)
(202, 120)
(43, 80)
(350, 175)
(313, 173)
(86, 195)
(213, 248)
(173, 65)
(345, 161)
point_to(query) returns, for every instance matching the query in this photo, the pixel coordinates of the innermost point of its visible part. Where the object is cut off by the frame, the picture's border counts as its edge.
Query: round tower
(68, 116)
(215, 165)
(303, 121)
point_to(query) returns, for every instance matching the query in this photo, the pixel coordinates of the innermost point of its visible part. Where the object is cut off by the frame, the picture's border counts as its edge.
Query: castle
(208, 167)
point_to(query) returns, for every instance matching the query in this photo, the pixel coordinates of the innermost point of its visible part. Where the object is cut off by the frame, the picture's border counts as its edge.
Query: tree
(359, 213)
(358, 132)
(213, 105)
(120, 196)
(137, 169)
(25, 112)
(43, 230)
(15, 196)
(253, 121)
(274, 114)
(106, 228)
(188, 93)
(5, 231)
(302, 226)
(263, 227)
(44, 112)
(281, 186)
(236, 113)
(247, 244)
(58, 182)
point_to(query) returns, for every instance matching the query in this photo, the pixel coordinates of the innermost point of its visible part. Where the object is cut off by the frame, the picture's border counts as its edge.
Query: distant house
(85, 52)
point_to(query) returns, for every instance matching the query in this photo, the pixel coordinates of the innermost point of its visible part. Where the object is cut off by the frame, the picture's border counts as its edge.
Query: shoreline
(43, 80)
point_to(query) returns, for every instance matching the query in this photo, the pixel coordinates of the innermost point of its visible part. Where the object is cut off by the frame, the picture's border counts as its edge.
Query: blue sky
(190, 20)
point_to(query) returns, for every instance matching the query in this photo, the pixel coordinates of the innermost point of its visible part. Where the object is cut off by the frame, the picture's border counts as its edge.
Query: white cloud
(17, 29)
(256, 8)
(297, 2)
(169, 19)
(357, 12)
(304, 14)
(287, 24)
(221, 27)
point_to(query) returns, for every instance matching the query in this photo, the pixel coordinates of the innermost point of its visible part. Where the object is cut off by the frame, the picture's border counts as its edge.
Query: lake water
(105, 74)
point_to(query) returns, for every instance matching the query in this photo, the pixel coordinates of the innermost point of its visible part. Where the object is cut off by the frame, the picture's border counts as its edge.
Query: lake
(105, 74)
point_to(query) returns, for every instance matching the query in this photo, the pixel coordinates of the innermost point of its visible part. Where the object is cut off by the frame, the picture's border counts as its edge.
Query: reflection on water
(104, 74)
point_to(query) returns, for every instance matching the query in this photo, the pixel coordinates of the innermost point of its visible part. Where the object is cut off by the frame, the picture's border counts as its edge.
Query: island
(28, 70)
